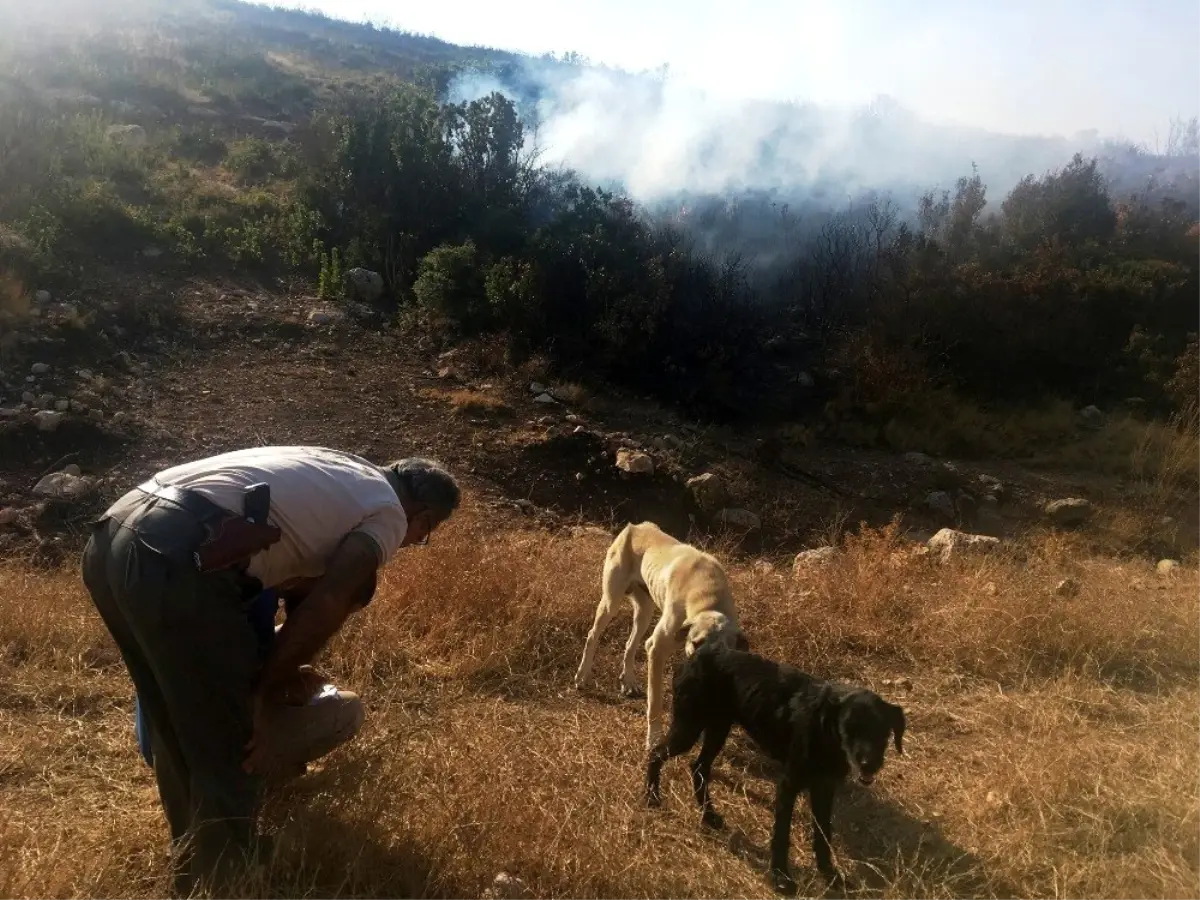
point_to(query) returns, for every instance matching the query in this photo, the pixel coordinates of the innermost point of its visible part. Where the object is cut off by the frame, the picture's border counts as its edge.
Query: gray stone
(8, 412)
(62, 405)
(364, 284)
(29, 397)
(8, 515)
(805, 380)
(62, 486)
(323, 316)
(48, 420)
(536, 387)
(708, 491)
(1069, 512)
(816, 558)
(949, 543)
(740, 518)
(1092, 418)
(940, 502)
(544, 399)
(42, 297)
(918, 459)
(40, 368)
(634, 462)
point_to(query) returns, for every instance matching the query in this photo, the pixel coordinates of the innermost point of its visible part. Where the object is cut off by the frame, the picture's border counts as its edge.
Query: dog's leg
(658, 648)
(643, 616)
(605, 610)
(715, 736)
(820, 800)
(681, 737)
(781, 835)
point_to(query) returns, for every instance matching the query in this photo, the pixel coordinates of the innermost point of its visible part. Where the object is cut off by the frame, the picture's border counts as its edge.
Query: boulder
(544, 399)
(1069, 512)
(708, 491)
(42, 297)
(1166, 567)
(40, 368)
(364, 284)
(62, 486)
(814, 559)
(1091, 418)
(941, 503)
(739, 518)
(634, 462)
(48, 420)
(949, 543)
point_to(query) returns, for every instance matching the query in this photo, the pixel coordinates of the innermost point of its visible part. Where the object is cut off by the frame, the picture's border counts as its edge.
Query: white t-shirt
(318, 496)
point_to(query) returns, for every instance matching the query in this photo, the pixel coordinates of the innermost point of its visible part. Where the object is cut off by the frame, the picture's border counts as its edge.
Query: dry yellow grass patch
(1052, 747)
(469, 402)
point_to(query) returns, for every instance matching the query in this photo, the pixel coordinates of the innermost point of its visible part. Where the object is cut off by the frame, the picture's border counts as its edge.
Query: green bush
(450, 286)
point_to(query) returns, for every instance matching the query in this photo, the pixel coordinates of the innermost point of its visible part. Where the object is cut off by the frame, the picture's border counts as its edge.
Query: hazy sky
(1124, 67)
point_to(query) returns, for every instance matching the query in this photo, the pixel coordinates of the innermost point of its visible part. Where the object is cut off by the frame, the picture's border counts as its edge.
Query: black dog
(818, 731)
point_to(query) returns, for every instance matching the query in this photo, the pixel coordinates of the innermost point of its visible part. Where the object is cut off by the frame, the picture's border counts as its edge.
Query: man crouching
(173, 567)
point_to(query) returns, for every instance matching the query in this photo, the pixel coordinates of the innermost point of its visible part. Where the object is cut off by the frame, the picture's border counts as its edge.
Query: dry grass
(1052, 748)
(468, 402)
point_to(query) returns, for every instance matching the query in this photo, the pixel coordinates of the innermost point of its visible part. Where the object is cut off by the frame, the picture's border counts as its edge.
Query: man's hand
(332, 598)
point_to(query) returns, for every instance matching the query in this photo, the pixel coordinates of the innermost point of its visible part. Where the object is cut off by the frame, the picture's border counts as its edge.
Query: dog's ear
(895, 717)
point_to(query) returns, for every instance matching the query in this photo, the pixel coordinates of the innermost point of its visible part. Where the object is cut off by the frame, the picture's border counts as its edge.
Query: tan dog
(686, 585)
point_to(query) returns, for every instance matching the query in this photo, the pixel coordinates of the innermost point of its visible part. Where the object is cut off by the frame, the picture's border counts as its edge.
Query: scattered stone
(72, 469)
(1091, 418)
(8, 412)
(40, 368)
(42, 296)
(1068, 587)
(572, 419)
(365, 285)
(29, 397)
(948, 543)
(1166, 567)
(708, 491)
(815, 558)
(8, 515)
(131, 136)
(322, 316)
(580, 429)
(62, 405)
(526, 506)
(76, 407)
(634, 462)
(62, 486)
(85, 374)
(805, 380)
(1069, 512)
(992, 485)
(536, 387)
(940, 502)
(126, 361)
(45, 401)
(672, 442)
(918, 459)
(740, 518)
(545, 399)
(547, 421)
(507, 887)
(48, 420)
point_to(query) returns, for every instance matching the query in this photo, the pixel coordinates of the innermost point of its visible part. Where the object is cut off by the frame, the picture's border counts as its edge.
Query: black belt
(198, 505)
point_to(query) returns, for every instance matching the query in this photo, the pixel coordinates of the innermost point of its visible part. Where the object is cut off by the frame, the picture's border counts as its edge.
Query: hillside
(184, 191)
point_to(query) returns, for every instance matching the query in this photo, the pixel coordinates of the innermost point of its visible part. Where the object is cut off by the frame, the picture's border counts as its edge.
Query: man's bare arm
(332, 598)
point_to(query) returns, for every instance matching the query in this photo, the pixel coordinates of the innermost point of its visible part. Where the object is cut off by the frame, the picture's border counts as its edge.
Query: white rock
(634, 462)
(48, 420)
(708, 491)
(364, 284)
(42, 296)
(815, 558)
(62, 486)
(948, 543)
(40, 368)
(1069, 512)
(507, 887)
(1166, 567)
(536, 387)
(85, 374)
(740, 518)
(544, 399)
(1068, 587)
(62, 405)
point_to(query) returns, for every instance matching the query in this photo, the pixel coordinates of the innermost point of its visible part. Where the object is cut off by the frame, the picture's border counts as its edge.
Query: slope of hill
(182, 187)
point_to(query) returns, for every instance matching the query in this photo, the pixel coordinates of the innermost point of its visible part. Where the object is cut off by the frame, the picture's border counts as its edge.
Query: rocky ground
(106, 384)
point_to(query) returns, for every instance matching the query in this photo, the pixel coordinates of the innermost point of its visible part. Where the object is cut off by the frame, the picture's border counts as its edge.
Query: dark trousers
(192, 654)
